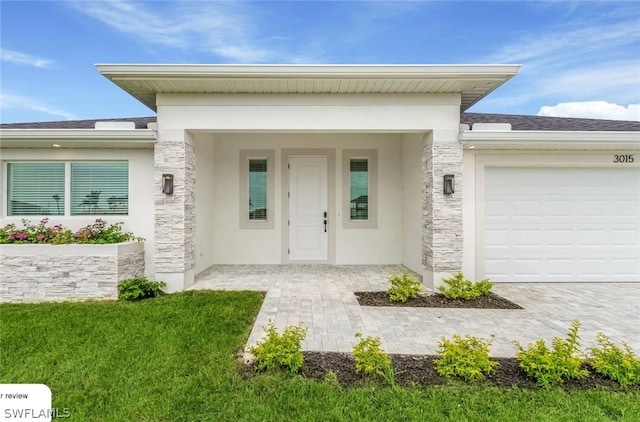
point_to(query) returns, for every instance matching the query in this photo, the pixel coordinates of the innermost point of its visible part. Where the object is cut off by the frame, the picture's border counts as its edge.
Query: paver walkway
(322, 298)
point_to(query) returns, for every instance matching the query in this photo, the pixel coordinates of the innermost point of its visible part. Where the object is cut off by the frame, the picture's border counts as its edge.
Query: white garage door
(562, 224)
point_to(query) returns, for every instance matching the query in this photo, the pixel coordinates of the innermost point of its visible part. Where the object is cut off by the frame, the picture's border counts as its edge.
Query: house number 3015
(623, 158)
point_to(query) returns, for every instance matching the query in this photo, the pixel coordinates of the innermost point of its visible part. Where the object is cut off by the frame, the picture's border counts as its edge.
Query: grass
(172, 359)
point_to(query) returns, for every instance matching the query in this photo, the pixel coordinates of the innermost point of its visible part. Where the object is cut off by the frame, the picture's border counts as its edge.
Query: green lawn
(171, 359)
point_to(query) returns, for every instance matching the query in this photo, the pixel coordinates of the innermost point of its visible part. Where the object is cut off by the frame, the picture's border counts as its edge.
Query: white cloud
(556, 48)
(593, 110)
(16, 57)
(614, 81)
(221, 28)
(26, 103)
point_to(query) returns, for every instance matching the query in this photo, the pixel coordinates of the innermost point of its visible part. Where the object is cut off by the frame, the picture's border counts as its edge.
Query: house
(338, 164)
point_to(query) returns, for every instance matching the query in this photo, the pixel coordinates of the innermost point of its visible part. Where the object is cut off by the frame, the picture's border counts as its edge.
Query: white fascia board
(144, 81)
(537, 138)
(160, 71)
(90, 137)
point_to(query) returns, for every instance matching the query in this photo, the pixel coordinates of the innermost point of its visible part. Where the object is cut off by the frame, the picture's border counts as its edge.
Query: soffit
(472, 82)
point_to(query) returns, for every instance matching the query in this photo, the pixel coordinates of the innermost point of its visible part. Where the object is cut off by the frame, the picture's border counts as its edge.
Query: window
(360, 189)
(99, 188)
(58, 188)
(258, 190)
(257, 184)
(35, 188)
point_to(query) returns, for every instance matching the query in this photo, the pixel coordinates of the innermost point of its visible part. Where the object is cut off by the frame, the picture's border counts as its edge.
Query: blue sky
(579, 58)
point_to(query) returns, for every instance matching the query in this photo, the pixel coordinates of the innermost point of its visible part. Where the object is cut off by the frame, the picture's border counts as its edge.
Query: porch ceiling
(144, 81)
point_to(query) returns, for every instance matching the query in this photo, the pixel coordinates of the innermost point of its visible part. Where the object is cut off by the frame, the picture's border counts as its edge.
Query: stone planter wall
(37, 273)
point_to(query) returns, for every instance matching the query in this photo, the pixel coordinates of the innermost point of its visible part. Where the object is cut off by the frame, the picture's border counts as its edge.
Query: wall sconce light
(449, 184)
(167, 184)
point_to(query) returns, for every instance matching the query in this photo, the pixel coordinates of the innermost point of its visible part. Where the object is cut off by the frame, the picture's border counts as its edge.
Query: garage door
(562, 224)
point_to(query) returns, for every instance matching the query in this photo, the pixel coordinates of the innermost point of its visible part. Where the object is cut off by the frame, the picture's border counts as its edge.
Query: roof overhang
(144, 81)
(549, 140)
(77, 138)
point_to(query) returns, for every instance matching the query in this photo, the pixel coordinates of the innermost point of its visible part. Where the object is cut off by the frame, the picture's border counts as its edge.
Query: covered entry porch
(207, 112)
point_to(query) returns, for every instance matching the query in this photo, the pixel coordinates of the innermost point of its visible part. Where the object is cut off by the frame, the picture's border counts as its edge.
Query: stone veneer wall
(442, 231)
(38, 273)
(175, 213)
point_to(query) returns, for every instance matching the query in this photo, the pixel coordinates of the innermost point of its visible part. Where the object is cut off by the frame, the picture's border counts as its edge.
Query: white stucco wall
(469, 214)
(412, 146)
(310, 112)
(141, 205)
(205, 200)
(384, 244)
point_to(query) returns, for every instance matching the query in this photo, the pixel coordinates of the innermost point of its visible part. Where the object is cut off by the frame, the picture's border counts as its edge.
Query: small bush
(371, 360)
(467, 358)
(40, 233)
(550, 366)
(611, 361)
(457, 287)
(403, 287)
(100, 233)
(139, 288)
(280, 351)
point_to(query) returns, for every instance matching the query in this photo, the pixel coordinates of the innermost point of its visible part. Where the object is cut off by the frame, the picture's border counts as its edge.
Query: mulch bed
(415, 370)
(412, 370)
(490, 301)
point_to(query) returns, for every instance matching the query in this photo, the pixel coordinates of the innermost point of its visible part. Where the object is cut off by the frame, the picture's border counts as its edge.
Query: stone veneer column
(442, 214)
(175, 218)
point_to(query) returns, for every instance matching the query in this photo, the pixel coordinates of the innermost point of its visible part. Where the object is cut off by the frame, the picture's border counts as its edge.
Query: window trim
(372, 164)
(4, 201)
(243, 209)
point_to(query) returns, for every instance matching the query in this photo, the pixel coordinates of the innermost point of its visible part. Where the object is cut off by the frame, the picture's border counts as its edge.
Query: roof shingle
(520, 122)
(141, 123)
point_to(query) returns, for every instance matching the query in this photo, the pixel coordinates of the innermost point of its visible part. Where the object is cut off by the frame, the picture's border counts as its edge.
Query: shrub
(97, 232)
(40, 233)
(467, 358)
(280, 351)
(457, 287)
(403, 287)
(139, 288)
(550, 366)
(371, 360)
(611, 361)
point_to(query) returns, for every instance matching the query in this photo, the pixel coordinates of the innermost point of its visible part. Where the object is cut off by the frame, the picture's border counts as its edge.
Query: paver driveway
(322, 298)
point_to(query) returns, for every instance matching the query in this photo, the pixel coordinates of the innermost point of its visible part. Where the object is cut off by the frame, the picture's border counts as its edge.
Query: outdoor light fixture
(449, 184)
(167, 184)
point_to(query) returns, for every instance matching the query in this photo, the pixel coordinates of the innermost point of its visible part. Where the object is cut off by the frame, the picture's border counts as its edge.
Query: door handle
(325, 221)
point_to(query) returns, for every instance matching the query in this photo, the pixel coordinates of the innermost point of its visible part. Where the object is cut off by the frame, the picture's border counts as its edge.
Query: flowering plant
(97, 232)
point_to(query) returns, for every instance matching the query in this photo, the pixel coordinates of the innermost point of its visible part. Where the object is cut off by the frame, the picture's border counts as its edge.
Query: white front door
(308, 237)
